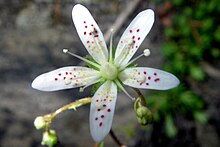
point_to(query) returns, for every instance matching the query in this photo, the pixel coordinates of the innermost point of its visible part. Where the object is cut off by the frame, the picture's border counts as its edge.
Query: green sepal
(88, 57)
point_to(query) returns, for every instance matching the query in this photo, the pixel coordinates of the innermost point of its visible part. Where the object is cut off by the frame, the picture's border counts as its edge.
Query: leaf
(200, 117)
(170, 128)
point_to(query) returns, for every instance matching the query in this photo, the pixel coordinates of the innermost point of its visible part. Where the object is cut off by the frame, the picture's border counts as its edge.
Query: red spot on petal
(66, 73)
(145, 72)
(84, 33)
(100, 124)
(109, 110)
(97, 100)
(155, 73)
(133, 37)
(149, 78)
(96, 118)
(104, 105)
(86, 26)
(96, 36)
(138, 30)
(130, 31)
(92, 25)
(136, 46)
(59, 74)
(147, 84)
(133, 41)
(156, 80)
(141, 84)
(90, 33)
(98, 109)
(84, 21)
(55, 79)
(102, 116)
(139, 38)
(64, 78)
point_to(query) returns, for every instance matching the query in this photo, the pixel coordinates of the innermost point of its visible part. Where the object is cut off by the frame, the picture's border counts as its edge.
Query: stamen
(124, 52)
(145, 53)
(123, 89)
(110, 50)
(81, 89)
(81, 58)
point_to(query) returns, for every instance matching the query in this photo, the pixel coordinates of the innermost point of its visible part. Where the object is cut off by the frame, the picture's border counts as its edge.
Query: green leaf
(196, 73)
(200, 117)
(170, 128)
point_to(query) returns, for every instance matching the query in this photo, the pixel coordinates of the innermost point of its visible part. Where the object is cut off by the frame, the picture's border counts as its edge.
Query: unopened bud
(39, 122)
(49, 138)
(143, 114)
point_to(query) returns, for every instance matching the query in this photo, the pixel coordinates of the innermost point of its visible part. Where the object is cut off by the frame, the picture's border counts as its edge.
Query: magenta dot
(92, 25)
(96, 118)
(66, 73)
(59, 74)
(109, 110)
(102, 116)
(139, 38)
(155, 73)
(98, 109)
(130, 31)
(55, 79)
(145, 72)
(156, 80)
(149, 78)
(136, 46)
(84, 21)
(86, 26)
(147, 84)
(100, 124)
(84, 33)
(133, 37)
(138, 30)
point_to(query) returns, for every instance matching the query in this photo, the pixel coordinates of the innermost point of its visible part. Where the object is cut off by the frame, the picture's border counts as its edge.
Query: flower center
(109, 71)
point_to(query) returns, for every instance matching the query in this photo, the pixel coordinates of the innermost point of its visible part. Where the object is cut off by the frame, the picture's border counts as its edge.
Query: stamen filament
(122, 55)
(110, 50)
(123, 89)
(81, 58)
(146, 52)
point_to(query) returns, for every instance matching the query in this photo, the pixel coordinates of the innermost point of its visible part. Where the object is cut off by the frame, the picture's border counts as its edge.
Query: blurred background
(184, 41)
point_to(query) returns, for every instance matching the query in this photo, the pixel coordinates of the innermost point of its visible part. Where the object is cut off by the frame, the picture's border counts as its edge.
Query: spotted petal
(89, 33)
(65, 78)
(102, 110)
(133, 37)
(148, 78)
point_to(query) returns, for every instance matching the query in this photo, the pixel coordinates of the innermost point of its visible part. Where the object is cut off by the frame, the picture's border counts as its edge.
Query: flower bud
(39, 122)
(143, 114)
(49, 138)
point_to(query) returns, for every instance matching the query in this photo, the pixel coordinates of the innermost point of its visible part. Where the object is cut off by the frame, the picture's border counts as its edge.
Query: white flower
(108, 67)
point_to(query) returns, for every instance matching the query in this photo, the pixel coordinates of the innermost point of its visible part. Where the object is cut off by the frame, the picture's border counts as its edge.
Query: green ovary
(109, 71)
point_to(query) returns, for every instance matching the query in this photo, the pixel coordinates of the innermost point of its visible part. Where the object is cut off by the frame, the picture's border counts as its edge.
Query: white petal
(148, 78)
(133, 36)
(102, 110)
(89, 33)
(65, 78)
